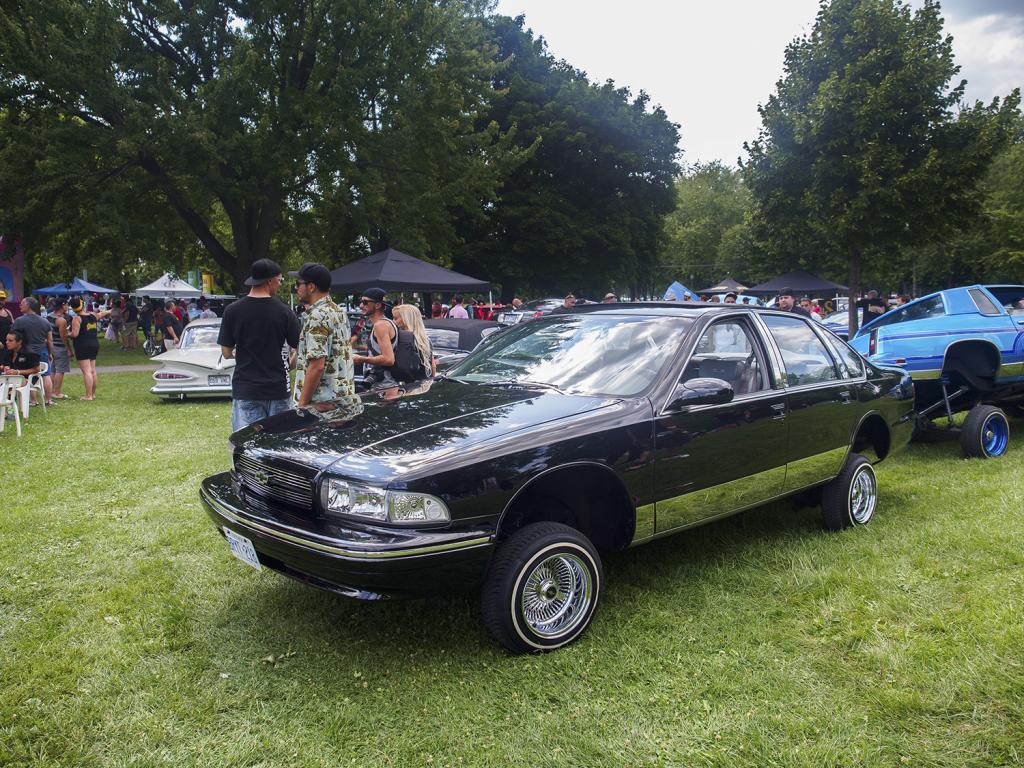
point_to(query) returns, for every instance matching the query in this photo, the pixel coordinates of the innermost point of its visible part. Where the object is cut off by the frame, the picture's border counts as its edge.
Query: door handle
(779, 410)
(845, 396)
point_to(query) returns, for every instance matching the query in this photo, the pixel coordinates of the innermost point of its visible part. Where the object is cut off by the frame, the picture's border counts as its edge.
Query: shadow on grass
(279, 612)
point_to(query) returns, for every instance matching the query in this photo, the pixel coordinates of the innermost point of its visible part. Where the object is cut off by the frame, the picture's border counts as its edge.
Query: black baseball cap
(314, 273)
(376, 295)
(262, 270)
(786, 292)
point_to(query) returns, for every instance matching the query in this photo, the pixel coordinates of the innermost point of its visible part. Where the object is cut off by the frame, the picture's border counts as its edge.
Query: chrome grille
(276, 482)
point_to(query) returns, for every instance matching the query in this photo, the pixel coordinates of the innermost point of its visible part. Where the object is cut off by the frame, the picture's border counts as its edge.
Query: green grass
(130, 637)
(112, 354)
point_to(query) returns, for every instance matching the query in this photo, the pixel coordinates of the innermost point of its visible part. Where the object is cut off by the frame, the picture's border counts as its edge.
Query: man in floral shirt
(324, 359)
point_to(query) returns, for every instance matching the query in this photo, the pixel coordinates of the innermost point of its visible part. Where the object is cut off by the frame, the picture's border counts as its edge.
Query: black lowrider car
(561, 439)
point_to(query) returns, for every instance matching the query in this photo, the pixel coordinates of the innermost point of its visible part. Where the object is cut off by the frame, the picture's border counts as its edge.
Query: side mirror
(702, 392)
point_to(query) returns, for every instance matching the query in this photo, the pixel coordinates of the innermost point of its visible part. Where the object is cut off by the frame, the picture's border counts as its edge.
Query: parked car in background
(964, 348)
(197, 367)
(529, 311)
(453, 339)
(839, 324)
(553, 444)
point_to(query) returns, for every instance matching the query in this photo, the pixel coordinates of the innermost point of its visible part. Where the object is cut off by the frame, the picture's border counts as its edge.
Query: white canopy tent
(169, 287)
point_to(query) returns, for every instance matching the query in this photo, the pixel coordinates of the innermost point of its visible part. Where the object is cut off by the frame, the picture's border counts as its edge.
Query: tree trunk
(854, 289)
(252, 224)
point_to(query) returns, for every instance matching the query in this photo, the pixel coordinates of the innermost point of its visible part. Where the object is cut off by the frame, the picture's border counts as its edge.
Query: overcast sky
(709, 64)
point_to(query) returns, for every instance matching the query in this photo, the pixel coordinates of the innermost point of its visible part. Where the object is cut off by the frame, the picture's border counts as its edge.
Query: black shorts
(87, 351)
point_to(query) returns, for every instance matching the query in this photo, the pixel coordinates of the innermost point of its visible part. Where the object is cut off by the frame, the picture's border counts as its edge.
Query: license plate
(218, 380)
(242, 548)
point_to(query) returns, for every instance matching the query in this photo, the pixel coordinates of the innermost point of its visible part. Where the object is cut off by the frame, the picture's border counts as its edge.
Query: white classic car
(197, 366)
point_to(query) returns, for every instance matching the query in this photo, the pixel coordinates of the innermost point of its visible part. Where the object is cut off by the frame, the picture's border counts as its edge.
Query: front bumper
(365, 562)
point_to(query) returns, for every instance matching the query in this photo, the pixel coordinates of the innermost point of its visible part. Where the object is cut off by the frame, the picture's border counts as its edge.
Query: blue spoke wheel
(985, 433)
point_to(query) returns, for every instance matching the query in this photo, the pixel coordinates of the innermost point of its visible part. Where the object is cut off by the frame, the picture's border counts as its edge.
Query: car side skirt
(708, 504)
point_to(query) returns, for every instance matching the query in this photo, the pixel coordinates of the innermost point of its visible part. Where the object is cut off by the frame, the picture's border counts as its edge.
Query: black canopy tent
(726, 285)
(393, 270)
(801, 282)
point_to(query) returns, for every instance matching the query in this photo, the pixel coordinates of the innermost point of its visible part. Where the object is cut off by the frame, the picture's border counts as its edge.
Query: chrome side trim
(769, 500)
(1011, 369)
(227, 513)
(696, 507)
(645, 523)
(811, 470)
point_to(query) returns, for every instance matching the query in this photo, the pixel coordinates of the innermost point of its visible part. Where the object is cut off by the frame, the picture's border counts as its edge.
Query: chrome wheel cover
(557, 595)
(863, 496)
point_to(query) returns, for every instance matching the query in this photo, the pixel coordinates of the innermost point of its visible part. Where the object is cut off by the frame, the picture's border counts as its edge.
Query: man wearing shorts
(38, 339)
(59, 328)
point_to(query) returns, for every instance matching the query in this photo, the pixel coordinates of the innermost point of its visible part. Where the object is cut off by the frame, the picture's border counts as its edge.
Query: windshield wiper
(446, 377)
(526, 384)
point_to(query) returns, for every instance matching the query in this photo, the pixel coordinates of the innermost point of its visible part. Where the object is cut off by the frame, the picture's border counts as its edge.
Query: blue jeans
(245, 412)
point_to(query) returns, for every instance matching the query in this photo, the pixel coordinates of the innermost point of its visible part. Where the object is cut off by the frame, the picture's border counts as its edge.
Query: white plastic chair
(8, 404)
(23, 397)
(35, 381)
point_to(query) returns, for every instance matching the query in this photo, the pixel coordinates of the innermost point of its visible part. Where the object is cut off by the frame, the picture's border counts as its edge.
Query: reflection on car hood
(379, 440)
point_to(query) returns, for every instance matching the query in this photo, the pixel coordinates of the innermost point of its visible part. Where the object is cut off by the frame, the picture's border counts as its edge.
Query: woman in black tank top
(87, 343)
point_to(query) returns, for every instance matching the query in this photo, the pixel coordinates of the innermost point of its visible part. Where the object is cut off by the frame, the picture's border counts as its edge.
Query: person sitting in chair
(17, 360)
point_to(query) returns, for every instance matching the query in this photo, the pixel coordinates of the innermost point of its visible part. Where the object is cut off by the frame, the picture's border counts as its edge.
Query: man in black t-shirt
(253, 331)
(171, 327)
(787, 303)
(871, 305)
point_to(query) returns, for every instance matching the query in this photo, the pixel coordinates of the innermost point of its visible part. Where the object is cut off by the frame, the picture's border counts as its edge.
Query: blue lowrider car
(964, 348)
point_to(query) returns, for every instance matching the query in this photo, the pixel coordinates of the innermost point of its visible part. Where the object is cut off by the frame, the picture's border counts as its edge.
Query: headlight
(410, 507)
(371, 503)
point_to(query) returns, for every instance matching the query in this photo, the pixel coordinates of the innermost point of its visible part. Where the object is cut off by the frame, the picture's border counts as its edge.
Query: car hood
(203, 356)
(382, 440)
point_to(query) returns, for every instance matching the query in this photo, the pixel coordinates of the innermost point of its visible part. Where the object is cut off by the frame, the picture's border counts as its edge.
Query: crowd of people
(387, 342)
(390, 344)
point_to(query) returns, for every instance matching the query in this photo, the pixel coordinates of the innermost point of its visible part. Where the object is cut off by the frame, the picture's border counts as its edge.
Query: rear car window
(916, 310)
(850, 361)
(804, 355)
(984, 304)
(441, 338)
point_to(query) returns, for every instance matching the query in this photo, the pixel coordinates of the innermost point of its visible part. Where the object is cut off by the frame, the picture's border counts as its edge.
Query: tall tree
(354, 118)
(865, 147)
(584, 208)
(702, 233)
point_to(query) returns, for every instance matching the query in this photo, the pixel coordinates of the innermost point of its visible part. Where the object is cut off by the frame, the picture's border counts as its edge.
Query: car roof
(458, 323)
(671, 308)
(199, 321)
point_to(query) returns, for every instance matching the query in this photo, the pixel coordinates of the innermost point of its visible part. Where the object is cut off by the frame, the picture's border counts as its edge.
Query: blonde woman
(407, 318)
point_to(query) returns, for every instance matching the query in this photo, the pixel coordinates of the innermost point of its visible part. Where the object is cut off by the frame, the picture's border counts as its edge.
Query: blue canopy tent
(76, 287)
(677, 291)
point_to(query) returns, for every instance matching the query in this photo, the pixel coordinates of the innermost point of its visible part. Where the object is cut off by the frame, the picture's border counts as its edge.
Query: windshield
(585, 354)
(200, 336)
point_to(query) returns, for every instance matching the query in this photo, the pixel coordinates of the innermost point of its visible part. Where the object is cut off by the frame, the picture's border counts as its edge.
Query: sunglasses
(366, 301)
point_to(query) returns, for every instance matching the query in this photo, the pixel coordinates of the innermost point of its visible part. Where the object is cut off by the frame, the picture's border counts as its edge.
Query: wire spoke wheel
(863, 496)
(556, 595)
(542, 588)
